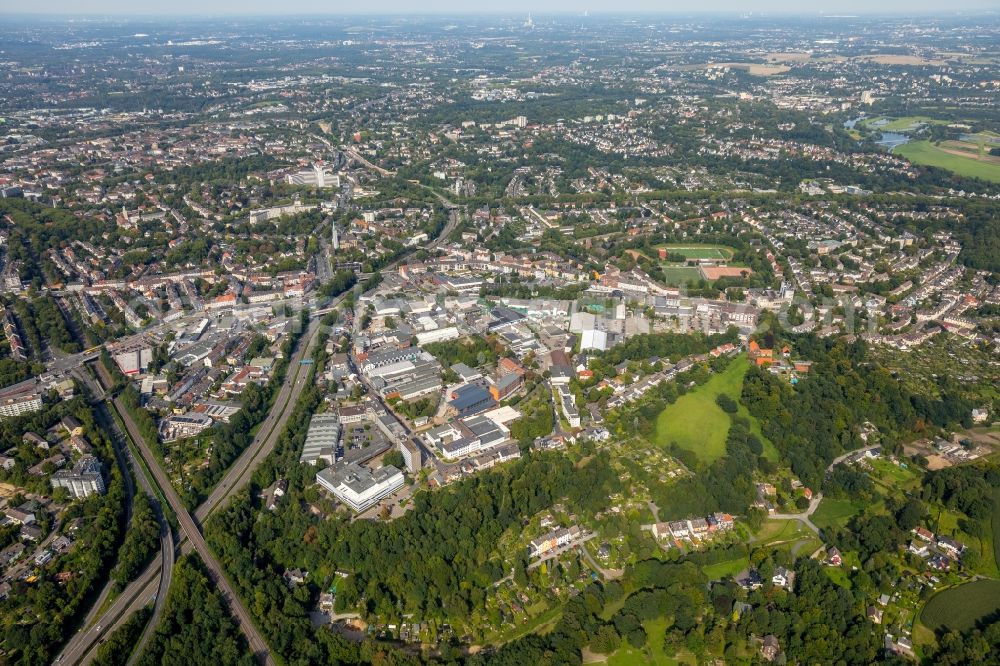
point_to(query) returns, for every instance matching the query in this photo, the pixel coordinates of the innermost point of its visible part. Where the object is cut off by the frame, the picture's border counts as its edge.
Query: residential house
(770, 648)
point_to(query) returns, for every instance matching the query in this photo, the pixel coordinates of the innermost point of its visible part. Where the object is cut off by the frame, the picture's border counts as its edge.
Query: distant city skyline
(291, 7)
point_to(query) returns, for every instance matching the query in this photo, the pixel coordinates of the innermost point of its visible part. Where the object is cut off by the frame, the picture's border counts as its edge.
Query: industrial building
(322, 439)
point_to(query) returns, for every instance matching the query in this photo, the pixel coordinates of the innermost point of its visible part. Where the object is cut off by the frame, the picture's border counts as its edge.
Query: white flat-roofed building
(317, 177)
(437, 335)
(358, 487)
(21, 404)
(465, 437)
(84, 480)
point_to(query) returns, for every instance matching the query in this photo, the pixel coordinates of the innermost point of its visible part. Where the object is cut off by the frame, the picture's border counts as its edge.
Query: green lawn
(720, 570)
(695, 422)
(893, 477)
(995, 525)
(835, 512)
(699, 425)
(924, 152)
(680, 275)
(782, 531)
(946, 522)
(961, 607)
(903, 124)
(839, 576)
(650, 653)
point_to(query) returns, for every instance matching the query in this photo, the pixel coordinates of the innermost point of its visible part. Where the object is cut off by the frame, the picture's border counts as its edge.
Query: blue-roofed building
(471, 399)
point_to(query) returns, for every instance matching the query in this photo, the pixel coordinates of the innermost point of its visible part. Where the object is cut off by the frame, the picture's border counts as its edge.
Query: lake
(887, 140)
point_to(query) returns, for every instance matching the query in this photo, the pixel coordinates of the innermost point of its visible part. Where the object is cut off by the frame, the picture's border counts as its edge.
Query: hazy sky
(175, 7)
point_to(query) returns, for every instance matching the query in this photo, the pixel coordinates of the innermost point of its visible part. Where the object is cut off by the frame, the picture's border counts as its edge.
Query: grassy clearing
(946, 522)
(922, 636)
(776, 532)
(924, 152)
(995, 525)
(695, 422)
(839, 577)
(651, 653)
(893, 478)
(904, 124)
(720, 570)
(699, 425)
(835, 512)
(959, 608)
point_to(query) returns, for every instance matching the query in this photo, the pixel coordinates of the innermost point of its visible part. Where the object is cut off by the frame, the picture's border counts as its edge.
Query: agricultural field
(699, 425)
(960, 607)
(995, 527)
(953, 159)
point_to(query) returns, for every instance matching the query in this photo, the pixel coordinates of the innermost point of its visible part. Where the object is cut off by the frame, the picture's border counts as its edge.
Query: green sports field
(680, 275)
(924, 152)
(700, 251)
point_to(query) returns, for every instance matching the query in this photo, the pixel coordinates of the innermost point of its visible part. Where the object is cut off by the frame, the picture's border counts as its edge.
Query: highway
(80, 648)
(270, 428)
(354, 155)
(151, 584)
(258, 645)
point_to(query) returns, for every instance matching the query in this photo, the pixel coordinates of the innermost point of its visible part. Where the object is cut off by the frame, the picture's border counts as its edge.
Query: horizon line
(513, 13)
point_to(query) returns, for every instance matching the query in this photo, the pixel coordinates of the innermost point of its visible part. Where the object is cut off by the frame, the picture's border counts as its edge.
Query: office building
(412, 455)
(317, 177)
(357, 487)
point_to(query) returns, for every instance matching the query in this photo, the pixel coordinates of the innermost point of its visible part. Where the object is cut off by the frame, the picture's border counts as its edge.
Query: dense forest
(819, 418)
(141, 542)
(196, 627)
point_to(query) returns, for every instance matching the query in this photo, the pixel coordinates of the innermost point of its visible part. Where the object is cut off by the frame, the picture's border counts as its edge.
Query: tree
(727, 404)
(911, 514)
(606, 640)
(637, 637)
(394, 458)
